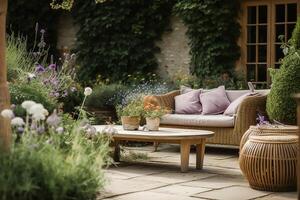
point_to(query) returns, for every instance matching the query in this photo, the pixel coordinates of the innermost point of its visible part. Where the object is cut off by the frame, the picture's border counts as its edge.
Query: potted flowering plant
(131, 114)
(153, 114)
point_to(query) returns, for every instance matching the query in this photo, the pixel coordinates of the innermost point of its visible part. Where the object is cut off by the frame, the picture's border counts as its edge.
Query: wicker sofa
(226, 134)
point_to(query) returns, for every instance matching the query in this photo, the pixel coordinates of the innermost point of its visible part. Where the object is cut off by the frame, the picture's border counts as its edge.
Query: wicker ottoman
(269, 162)
(268, 130)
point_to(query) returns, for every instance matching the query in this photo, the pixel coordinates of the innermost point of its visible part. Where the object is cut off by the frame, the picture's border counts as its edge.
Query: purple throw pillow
(188, 103)
(233, 107)
(214, 101)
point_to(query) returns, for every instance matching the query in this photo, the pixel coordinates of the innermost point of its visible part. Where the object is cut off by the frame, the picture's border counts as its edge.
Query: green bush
(33, 90)
(295, 40)
(280, 104)
(17, 59)
(105, 96)
(37, 169)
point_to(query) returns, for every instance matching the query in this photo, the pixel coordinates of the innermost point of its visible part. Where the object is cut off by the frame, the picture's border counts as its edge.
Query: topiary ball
(280, 104)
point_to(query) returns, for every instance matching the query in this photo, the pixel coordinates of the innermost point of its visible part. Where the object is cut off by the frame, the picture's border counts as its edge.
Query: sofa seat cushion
(198, 120)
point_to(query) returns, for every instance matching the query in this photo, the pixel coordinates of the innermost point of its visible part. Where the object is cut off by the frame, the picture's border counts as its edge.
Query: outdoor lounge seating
(228, 129)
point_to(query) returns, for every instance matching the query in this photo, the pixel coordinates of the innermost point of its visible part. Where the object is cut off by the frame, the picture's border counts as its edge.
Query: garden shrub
(286, 82)
(33, 90)
(104, 96)
(295, 40)
(213, 31)
(17, 59)
(37, 169)
(118, 37)
(280, 104)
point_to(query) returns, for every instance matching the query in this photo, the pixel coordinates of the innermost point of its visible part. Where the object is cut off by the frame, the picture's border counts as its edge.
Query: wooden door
(263, 24)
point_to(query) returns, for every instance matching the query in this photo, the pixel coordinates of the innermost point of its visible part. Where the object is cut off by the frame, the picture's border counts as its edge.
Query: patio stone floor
(159, 178)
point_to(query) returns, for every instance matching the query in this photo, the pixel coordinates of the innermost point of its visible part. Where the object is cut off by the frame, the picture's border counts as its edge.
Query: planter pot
(152, 124)
(130, 123)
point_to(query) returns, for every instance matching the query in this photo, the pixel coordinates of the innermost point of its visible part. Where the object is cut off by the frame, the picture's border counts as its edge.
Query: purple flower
(52, 67)
(65, 93)
(262, 120)
(39, 68)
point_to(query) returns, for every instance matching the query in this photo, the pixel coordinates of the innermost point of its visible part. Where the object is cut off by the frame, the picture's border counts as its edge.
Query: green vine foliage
(23, 16)
(117, 38)
(213, 30)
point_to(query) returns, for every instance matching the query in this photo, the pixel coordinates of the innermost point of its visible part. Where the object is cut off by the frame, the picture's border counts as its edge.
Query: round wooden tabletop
(167, 133)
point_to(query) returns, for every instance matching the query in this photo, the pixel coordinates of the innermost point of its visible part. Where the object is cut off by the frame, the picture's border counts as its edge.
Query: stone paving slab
(217, 182)
(233, 193)
(159, 178)
(152, 196)
(181, 190)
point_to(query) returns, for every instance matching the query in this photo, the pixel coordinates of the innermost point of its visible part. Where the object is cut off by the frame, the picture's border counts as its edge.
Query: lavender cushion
(188, 103)
(214, 101)
(233, 107)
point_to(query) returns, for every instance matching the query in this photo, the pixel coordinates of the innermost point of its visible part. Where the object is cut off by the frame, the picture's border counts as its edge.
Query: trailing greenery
(213, 30)
(286, 82)
(118, 37)
(36, 11)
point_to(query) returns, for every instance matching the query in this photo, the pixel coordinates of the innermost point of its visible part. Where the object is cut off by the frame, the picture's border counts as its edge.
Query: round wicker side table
(268, 130)
(269, 162)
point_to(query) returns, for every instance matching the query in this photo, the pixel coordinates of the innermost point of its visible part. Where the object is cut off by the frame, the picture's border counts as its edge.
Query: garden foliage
(23, 15)
(213, 30)
(286, 82)
(118, 37)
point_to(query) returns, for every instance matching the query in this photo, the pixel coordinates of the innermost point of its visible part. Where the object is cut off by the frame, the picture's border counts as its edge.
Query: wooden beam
(5, 130)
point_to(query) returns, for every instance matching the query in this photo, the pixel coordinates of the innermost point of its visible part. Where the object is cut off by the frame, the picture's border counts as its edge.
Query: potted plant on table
(153, 114)
(131, 114)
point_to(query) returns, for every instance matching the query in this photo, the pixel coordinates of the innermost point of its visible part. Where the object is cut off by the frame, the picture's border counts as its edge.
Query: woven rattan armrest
(166, 100)
(247, 113)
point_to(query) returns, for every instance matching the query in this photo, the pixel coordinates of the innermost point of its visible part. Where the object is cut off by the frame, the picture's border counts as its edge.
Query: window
(266, 24)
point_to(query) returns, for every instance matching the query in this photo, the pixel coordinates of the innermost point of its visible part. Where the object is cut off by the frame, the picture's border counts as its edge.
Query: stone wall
(174, 57)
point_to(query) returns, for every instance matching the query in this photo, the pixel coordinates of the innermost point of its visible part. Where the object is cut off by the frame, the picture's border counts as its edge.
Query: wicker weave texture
(268, 130)
(246, 116)
(270, 162)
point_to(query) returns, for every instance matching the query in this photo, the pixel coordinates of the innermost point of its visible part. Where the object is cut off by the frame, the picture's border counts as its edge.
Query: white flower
(60, 130)
(17, 121)
(27, 105)
(38, 116)
(88, 91)
(36, 109)
(7, 113)
(31, 75)
(45, 112)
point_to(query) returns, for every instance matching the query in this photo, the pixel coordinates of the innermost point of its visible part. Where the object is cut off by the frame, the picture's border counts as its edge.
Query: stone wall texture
(174, 57)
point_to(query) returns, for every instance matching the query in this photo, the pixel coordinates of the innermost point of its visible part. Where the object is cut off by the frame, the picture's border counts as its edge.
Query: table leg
(200, 149)
(185, 155)
(117, 151)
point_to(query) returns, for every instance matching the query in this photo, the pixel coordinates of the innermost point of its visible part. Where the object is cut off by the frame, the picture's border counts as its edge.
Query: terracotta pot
(130, 123)
(152, 124)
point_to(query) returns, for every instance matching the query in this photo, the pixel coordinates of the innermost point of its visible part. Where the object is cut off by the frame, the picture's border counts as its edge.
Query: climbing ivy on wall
(23, 16)
(117, 38)
(213, 31)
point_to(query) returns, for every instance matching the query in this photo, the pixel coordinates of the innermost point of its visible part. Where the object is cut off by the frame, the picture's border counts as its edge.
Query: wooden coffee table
(184, 137)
